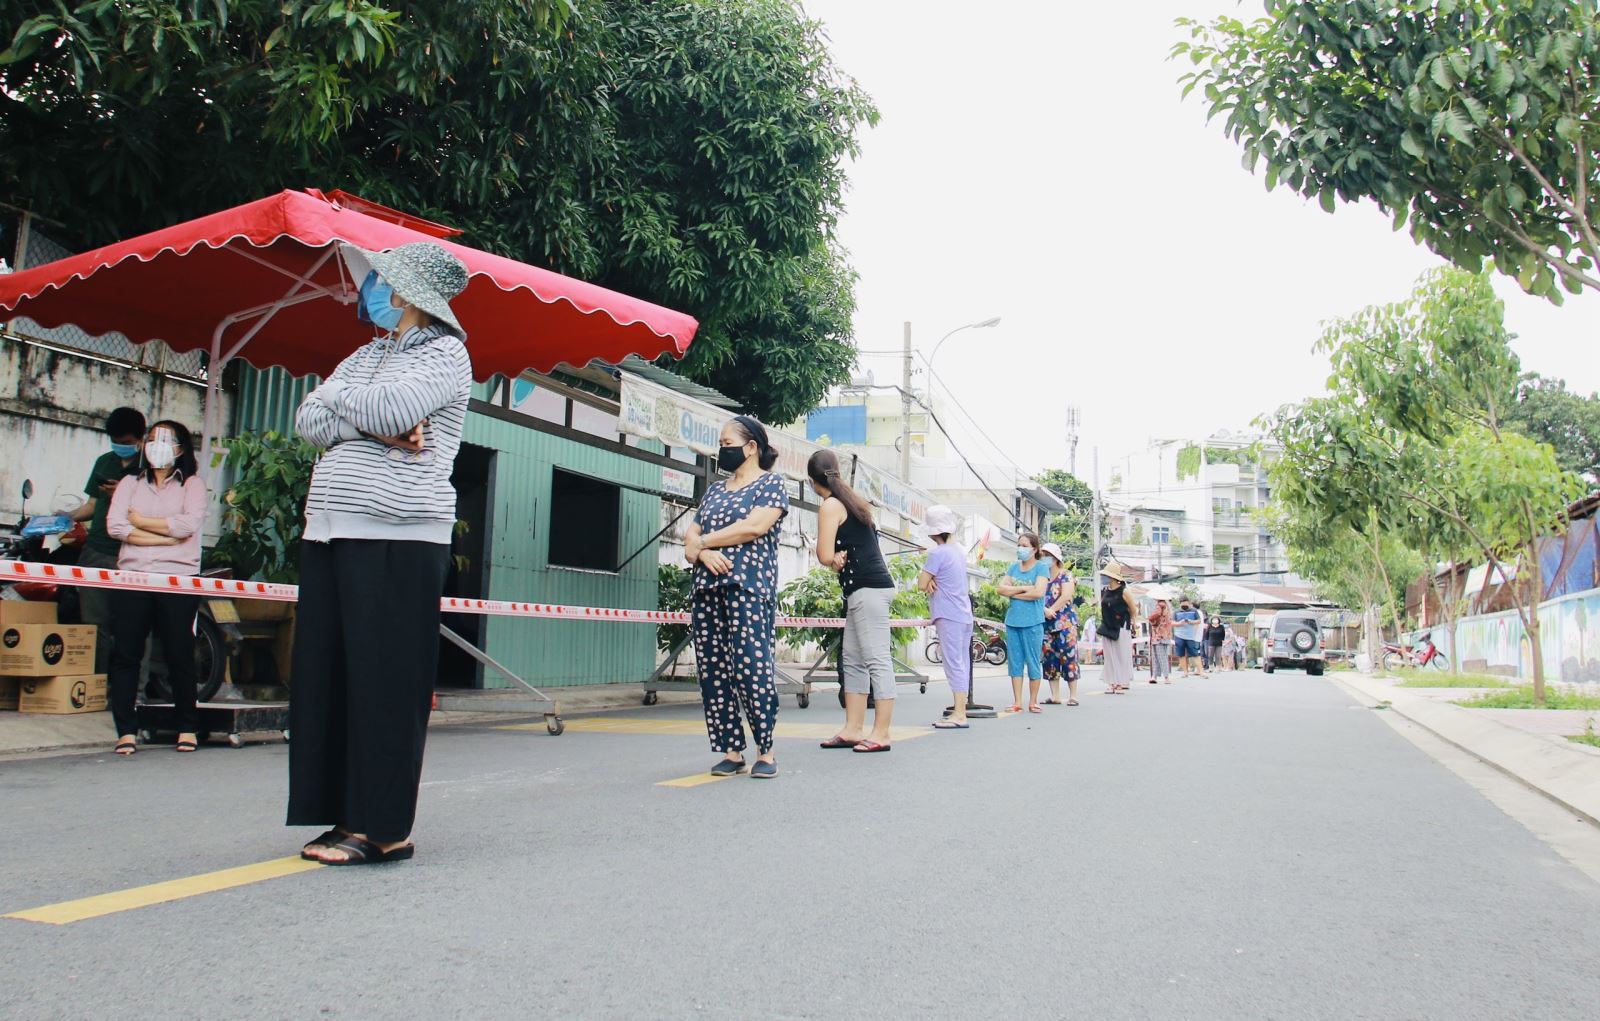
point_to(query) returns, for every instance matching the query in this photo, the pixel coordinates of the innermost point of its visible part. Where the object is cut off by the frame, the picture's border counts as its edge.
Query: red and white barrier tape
(229, 588)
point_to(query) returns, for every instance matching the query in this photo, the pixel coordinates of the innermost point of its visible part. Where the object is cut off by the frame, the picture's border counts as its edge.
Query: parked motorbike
(1424, 654)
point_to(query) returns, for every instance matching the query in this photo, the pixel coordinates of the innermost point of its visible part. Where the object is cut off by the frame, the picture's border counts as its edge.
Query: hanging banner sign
(678, 483)
(654, 412)
(888, 492)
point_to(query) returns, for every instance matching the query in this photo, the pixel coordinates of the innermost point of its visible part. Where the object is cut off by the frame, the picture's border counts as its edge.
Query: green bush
(265, 507)
(674, 591)
(817, 594)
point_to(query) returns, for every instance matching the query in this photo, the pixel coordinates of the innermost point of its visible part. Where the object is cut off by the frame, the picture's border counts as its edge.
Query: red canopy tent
(263, 281)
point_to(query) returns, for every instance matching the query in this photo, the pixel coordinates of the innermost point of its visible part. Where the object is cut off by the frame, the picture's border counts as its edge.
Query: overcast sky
(1034, 162)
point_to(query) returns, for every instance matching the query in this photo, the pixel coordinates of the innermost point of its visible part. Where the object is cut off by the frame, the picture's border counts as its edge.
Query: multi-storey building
(1195, 509)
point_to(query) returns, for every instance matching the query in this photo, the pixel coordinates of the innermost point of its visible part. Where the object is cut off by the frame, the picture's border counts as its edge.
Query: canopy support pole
(264, 313)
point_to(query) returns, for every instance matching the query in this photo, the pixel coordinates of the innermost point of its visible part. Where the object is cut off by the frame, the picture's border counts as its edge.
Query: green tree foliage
(1072, 529)
(1188, 466)
(1412, 446)
(1471, 119)
(687, 152)
(1545, 410)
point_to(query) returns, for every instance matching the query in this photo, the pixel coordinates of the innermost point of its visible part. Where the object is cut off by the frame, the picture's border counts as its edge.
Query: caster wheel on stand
(651, 698)
(235, 741)
(555, 726)
(803, 700)
(146, 736)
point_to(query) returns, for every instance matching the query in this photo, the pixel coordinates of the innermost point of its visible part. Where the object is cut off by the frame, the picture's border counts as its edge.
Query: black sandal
(325, 841)
(187, 746)
(125, 746)
(361, 851)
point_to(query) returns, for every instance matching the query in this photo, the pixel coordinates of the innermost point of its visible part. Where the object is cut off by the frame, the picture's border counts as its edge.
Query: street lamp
(905, 388)
(985, 324)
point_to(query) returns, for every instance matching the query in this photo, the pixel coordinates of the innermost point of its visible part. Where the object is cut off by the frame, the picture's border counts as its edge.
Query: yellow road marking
(690, 728)
(160, 893)
(696, 780)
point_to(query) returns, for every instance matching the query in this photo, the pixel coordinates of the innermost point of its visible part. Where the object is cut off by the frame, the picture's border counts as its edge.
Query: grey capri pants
(868, 656)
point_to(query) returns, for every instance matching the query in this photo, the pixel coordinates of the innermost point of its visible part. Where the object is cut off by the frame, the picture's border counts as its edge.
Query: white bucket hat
(1054, 550)
(422, 274)
(940, 520)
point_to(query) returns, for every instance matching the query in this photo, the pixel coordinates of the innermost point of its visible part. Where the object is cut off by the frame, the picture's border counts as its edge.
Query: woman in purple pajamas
(944, 578)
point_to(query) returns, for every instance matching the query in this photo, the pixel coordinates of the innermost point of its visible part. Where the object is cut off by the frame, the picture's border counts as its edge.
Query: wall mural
(1497, 644)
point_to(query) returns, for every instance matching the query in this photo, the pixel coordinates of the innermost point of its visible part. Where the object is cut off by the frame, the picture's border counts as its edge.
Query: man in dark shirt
(125, 427)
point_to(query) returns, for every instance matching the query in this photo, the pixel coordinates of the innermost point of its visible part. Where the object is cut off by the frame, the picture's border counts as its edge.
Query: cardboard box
(46, 650)
(21, 611)
(63, 695)
(10, 688)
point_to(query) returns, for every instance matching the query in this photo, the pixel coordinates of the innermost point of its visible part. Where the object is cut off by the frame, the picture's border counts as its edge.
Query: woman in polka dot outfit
(733, 548)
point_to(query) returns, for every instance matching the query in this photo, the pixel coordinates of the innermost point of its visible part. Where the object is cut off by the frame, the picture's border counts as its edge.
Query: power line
(934, 376)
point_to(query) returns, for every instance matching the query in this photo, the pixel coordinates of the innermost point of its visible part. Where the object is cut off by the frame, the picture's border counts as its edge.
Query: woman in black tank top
(847, 542)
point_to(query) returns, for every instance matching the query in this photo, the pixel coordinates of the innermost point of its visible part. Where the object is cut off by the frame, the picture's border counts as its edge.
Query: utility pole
(905, 412)
(1094, 528)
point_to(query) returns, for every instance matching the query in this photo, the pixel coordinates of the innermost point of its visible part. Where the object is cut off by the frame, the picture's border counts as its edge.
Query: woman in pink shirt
(157, 516)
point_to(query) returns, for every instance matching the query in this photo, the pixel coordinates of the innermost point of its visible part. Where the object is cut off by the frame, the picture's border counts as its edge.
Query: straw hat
(422, 274)
(1114, 572)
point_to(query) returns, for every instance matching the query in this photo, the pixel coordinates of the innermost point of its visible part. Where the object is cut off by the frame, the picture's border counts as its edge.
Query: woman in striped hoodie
(372, 567)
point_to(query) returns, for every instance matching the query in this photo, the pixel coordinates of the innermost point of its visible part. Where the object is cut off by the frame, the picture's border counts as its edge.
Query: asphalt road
(1237, 847)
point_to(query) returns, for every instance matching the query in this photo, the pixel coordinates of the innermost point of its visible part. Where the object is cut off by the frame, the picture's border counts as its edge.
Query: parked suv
(1294, 642)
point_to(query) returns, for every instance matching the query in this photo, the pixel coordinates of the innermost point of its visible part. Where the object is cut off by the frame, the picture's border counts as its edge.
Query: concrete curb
(1552, 767)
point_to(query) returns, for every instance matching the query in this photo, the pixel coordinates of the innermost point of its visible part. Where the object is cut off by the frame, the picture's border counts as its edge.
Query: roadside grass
(1521, 697)
(1588, 737)
(1436, 679)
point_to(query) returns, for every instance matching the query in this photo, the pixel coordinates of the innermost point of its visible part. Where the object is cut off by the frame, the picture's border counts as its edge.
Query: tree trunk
(1530, 620)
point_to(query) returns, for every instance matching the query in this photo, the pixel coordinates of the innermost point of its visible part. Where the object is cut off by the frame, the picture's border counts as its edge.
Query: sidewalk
(27, 735)
(1526, 746)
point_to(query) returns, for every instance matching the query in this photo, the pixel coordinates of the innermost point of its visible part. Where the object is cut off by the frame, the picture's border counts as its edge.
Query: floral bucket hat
(422, 274)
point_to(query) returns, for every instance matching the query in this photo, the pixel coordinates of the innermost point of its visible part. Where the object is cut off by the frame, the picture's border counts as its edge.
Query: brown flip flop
(871, 746)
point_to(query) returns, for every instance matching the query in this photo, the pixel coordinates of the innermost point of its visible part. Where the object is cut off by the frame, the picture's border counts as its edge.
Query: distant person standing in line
(847, 543)
(1187, 627)
(944, 579)
(1118, 617)
(1025, 584)
(1060, 628)
(125, 429)
(1161, 643)
(1216, 634)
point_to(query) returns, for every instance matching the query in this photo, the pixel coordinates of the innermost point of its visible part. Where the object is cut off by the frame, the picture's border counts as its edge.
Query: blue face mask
(1024, 554)
(374, 306)
(126, 451)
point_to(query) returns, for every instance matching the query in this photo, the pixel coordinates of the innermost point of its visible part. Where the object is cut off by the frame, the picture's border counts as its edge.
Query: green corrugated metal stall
(267, 399)
(550, 652)
(556, 652)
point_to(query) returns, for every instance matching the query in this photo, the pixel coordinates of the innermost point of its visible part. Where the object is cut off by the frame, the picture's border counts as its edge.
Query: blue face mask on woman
(1024, 554)
(374, 306)
(126, 451)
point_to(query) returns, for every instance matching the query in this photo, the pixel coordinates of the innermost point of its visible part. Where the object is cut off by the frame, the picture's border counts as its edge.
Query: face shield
(161, 447)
